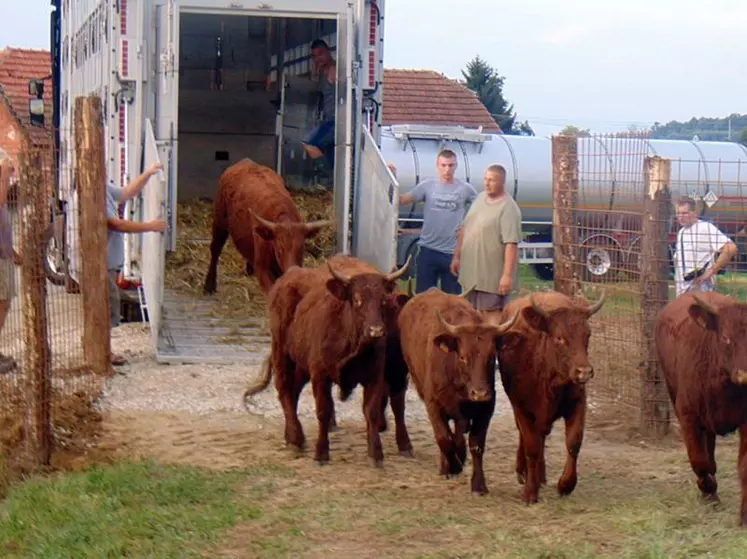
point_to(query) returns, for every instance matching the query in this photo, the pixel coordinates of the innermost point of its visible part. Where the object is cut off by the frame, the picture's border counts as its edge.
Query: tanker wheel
(600, 259)
(544, 272)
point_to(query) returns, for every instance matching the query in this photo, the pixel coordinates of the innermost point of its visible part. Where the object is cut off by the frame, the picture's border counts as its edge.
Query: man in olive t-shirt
(487, 252)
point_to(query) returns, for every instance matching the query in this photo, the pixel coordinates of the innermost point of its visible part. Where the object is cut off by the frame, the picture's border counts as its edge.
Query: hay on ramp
(238, 295)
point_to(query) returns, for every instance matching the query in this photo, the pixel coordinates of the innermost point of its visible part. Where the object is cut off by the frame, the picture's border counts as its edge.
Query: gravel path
(147, 386)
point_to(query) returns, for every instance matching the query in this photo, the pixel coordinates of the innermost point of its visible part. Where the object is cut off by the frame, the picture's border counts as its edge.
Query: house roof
(17, 68)
(427, 97)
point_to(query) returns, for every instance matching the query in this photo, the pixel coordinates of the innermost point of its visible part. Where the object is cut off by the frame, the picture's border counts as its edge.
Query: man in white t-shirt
(697, 243)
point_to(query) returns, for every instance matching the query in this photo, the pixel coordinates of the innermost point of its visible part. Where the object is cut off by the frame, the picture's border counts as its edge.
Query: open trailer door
(376, 207)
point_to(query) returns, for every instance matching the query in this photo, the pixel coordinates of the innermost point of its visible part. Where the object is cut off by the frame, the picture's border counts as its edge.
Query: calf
(253, 206)
(544, 367)
(701, 348)
(449, 348)
(336, 335)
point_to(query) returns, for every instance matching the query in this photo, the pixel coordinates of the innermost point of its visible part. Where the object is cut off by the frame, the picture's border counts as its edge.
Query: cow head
(728, 323)
(369, 295)
(474, 347)
(567, 332)
(288, 238)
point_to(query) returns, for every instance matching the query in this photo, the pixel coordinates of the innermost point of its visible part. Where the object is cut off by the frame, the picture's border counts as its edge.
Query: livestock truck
(200, 84)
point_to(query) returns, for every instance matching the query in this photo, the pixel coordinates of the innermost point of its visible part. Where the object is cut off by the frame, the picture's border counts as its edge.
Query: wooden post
(654, 290)
(90, 166)
(565, 197)
(34, 208)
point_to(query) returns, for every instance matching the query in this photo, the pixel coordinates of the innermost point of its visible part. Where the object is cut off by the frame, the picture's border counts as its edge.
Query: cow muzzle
(479, 395)
(583, 375)
(375, 332)
(739, 376)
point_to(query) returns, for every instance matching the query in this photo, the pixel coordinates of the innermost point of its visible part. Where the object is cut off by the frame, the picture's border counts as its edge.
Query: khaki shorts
(484, 301)
(7, 279)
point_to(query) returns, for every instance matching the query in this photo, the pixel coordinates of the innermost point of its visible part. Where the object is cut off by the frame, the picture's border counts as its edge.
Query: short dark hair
(686, 201)
(446, 154)
(497, 168)
(319, 44)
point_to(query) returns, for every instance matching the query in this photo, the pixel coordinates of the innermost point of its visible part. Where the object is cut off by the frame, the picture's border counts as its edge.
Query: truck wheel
(54, 257)
(544, 272)
(600, 259)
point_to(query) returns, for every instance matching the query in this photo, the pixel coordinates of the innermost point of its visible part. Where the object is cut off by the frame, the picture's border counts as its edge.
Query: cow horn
(401, 272)
(337, 275)
(503, 328)
(705, 306)
(538, 308)
(409, 287)
(316, 225)
(598, 305)
(450, 328)
(470, 290)
(263, 222)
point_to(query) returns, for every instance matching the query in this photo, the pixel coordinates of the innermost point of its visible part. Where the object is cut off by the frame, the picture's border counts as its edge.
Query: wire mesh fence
(622, 206)
(51, 367)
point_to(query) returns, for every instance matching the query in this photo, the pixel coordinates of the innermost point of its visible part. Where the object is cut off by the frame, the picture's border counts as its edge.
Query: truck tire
(601, 257)
(54, 260)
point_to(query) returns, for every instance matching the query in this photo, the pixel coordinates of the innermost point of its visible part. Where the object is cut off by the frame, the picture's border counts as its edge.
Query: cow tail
(261, 383)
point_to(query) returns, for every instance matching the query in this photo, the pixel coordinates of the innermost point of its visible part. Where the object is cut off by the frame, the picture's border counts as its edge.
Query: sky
(598, 65)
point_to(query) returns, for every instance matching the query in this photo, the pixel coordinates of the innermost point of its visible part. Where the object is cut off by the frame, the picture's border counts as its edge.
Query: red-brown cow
(253, 206)
(337, 335)
(449, 348)
(700, 342)
(544, 367)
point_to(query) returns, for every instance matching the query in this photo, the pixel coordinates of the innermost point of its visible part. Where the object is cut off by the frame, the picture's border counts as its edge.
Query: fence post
(90, 169)
(34, 215)
(564, 226)
(654, 290)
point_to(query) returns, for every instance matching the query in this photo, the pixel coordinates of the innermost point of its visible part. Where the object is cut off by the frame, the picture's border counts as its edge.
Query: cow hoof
(565, 488)
(407, 453)
(333, 428)
(710, 498)
(377, 463)
(530, 499)
(479, 489)
(322, 462)
(521, 478)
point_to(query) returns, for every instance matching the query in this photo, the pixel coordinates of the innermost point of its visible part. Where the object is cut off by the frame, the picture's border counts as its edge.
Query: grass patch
(130, 509)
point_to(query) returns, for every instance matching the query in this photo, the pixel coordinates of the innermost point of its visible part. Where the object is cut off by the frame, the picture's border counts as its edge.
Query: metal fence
(615, 228)
(54, 345)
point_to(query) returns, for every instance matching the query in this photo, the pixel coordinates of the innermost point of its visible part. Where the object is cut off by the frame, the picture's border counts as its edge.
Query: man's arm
(417, 194)
(728, 252)
(137, 185)
(127, 226)
(511, 235)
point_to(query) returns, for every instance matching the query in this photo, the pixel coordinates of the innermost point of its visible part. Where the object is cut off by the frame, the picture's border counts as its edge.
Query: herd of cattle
(348, 323)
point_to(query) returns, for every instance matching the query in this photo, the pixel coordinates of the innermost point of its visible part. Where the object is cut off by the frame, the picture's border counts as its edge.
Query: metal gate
(376, 208)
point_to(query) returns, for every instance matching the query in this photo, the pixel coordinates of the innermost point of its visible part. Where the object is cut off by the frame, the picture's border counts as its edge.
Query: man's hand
(157, 225)
(153, 169)
(504, 287)
(454, 267)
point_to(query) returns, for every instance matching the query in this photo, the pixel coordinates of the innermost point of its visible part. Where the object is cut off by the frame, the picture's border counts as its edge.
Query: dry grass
(238, 295)
(634, 498)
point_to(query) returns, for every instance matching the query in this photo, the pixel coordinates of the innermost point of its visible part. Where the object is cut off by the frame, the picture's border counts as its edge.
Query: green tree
(487, 84)
(571, 130)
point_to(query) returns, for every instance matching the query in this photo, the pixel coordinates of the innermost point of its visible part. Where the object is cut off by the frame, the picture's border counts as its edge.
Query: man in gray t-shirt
(446, 200)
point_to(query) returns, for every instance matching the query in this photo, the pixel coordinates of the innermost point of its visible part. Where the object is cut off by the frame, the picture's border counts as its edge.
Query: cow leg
(532, 442)
(403, 437)
(697, 445)
(574, 436)
(263, 261)
(742, 466)
(289, 383)
(373, 394)
(322, 387)
(460, 428)
(220, 236)
(477, 435)
(382, 415)
(521, 457)
(450, 463)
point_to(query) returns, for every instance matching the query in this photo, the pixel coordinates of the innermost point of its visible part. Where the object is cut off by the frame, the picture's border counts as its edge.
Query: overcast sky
(599, 65)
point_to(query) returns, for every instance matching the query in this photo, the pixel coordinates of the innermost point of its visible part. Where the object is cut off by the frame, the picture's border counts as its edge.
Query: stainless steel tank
(610, 171)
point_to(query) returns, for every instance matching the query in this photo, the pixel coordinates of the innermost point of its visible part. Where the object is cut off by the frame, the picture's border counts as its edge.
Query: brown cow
(336, 335)
(703, 357)
(449, 348)
(544, 366)
(395, 368)
(254, 207)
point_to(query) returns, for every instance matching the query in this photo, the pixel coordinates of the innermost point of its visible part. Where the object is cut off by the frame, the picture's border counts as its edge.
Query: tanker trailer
(610, 194)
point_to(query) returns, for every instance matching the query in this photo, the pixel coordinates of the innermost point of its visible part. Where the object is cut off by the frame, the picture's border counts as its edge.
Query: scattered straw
(238, 295)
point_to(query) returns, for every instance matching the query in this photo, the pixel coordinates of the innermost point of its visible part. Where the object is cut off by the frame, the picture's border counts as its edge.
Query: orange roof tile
(17, 68)
(427, 97)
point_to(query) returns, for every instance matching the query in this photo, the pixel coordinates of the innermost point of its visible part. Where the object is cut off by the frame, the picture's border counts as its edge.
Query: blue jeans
(322, 136)
(432, 266)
